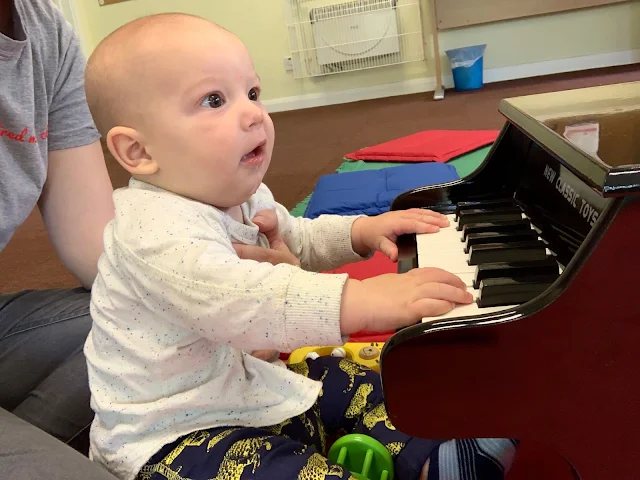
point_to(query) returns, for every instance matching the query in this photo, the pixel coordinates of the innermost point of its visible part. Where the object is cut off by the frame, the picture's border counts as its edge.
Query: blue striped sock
(473, 459)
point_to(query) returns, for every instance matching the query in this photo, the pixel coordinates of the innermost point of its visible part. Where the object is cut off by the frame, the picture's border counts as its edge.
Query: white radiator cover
(366, 31)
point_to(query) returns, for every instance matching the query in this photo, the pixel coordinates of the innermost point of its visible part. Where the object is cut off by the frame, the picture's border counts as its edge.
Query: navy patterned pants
(350, 402)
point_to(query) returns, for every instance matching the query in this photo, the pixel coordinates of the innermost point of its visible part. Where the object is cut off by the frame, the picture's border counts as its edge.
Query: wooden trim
(463, 13)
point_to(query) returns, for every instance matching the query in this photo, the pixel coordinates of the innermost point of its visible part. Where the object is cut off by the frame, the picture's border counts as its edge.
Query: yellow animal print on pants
(241, 454)
(324, 374)
(195, 439)
(308, 424)
(359, 401)
(376, 415)
(221, 436)
(300, 368)
(277, 429)
(352, 370)
(322, 434)
(395, 447)
(317, 468)
(162, 469)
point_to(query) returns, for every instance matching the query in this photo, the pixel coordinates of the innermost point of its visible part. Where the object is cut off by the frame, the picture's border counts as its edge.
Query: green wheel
(365, 457)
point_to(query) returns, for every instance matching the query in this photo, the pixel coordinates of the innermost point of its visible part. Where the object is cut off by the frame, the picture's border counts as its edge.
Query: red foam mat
(427, 146)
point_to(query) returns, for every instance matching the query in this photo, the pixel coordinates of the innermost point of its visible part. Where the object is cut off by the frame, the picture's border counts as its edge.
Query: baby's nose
(252, 116)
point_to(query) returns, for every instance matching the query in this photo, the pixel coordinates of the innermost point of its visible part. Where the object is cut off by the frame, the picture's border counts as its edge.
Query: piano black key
(518, 269)
(499, 237)
(477, 215)
(500, 202)
(508, 226)
(507, 252)
(510, 291)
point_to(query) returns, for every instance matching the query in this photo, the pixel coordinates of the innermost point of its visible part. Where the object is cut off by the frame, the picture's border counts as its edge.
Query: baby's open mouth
(256, 155)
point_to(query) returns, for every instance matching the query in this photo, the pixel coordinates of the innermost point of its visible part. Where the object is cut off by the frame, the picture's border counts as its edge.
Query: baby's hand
(391, 301)
(381, 232)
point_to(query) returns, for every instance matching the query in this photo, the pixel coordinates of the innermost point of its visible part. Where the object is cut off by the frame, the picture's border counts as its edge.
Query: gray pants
(43, 383)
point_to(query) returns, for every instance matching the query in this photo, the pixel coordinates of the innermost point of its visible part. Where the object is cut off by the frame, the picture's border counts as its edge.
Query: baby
(177, 312)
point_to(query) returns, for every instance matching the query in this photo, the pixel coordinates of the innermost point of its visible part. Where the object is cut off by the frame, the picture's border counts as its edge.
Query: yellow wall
(261, 25)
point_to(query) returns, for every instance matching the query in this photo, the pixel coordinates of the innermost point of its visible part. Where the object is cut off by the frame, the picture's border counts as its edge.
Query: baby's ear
(128, 148)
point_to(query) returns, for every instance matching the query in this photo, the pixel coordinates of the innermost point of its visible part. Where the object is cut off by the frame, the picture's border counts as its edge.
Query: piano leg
(564, 376)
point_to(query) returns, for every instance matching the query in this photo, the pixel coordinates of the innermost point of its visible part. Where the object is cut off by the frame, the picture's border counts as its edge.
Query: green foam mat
(464, 165)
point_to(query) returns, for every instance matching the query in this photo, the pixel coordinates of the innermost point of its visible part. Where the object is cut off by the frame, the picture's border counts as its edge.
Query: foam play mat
(464, 165)
(427, 146)
(370, 192)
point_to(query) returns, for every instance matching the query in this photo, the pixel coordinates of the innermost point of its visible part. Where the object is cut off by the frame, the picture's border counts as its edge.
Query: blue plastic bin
(467, 67)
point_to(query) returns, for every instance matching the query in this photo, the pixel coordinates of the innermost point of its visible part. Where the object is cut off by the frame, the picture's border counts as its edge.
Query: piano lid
(594, 131)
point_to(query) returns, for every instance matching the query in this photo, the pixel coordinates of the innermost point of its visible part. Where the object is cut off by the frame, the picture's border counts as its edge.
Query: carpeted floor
(311, 143)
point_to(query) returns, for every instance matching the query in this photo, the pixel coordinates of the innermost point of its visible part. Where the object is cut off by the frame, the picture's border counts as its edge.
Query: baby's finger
(413, 225)
(438, 275)
(427, 216)
(444, 291)
(430, 307)
(424, 211)
(389, 249)
(429, 219)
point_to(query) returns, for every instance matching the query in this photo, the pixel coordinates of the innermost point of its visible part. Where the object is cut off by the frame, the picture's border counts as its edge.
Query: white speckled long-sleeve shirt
(174, 309)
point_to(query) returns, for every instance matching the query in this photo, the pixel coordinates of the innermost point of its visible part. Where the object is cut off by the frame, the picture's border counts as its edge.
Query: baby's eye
(214, 101)
(254, 94)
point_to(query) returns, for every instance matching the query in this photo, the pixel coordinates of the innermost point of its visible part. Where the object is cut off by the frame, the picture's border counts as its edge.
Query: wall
(261, 24)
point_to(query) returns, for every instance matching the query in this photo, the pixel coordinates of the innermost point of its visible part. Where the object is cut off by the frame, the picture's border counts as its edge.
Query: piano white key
(447, 238)
(454, 262)
(433, 243)
(470, 310)
(446, 234)
(467, 277)
(445, 250)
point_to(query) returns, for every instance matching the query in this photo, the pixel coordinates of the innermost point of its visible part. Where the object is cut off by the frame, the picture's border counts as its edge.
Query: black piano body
(559, 368)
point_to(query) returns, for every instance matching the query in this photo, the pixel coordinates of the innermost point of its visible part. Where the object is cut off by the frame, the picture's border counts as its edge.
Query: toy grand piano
(546, 235)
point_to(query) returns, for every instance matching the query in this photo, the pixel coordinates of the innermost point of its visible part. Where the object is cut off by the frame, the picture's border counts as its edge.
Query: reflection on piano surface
(545, 234)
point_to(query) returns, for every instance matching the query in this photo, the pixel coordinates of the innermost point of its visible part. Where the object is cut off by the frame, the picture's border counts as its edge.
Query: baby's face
(206, 127)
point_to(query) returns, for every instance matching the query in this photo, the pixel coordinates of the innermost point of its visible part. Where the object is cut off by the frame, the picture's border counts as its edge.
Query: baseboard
(563, 65)
(407, 87)
(421, 85)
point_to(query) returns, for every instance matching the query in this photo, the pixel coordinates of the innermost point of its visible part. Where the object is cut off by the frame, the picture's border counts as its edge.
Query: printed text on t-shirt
(24, 135)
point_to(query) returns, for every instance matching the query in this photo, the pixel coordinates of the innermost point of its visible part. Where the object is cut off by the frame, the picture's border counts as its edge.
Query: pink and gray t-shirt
(42, 105)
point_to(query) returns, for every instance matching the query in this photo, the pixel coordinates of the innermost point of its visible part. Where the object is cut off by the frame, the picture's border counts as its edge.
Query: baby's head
(177, 98)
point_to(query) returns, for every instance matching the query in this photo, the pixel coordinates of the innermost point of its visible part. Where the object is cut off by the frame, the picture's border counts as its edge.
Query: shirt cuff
(312, 310)
(338, 241)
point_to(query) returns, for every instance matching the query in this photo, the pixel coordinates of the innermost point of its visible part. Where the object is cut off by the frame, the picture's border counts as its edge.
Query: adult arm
(263, 254)
(76, 204)
(321, 244)
(76, 201)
